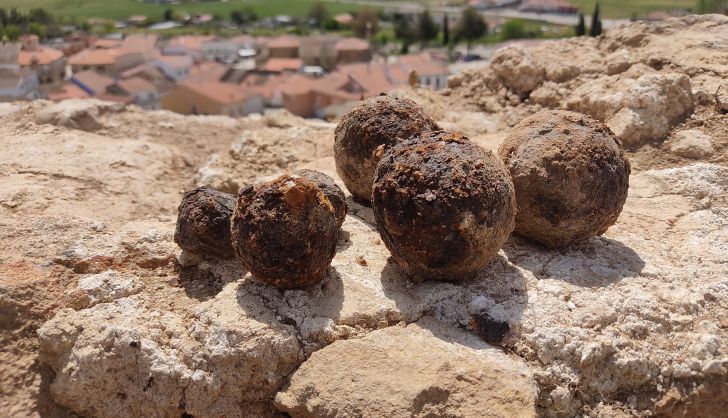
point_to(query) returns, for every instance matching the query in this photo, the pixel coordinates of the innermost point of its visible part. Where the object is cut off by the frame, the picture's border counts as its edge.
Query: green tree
(319, 13)
(581, 26)
(168, 15)
(38, 29)
(365, 23)
(249, 15)
(13, 32)
(513, 29)
(39, 15)
(331, 25)
(445, 30)
(403, 29)
(596, 26)
(427, 29)
(237, 17)
(712, 6)
(15, 17)
(471, 26)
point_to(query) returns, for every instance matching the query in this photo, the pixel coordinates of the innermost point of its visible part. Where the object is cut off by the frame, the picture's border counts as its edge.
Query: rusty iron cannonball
(284, 231)
(444, 206)
(203, 223)
(367, 131)
(331, 190)
(570, 174)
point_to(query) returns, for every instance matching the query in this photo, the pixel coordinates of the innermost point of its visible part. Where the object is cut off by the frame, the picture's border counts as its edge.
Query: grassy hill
(626, 8)
(119, 9)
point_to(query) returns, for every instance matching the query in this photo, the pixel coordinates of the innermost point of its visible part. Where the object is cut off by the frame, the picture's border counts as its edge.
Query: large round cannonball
(367, 131)
(284, 231)
(203, 223)
(444, 206)
(570, 174)
(331, 190)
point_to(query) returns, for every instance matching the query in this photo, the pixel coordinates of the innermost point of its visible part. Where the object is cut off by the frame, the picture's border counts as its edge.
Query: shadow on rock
(598, 262)
(490, 305)
(343, 240)
(206, 279)
(362, 212)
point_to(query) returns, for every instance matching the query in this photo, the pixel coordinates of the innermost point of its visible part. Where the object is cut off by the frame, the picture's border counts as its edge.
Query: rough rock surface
(641, 79)
(632, 323)
(424, 369)
(636, 105)
(692, 143)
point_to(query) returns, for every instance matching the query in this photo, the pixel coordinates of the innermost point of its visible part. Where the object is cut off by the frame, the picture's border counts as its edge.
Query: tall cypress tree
(581, 26)
(596, 27)
(445, 30)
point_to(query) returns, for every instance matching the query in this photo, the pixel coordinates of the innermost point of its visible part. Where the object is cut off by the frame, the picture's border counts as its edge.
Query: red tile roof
(352, 44)
(136, 85)
(68, 91)
(41, 56)
(193, 42)
(96, 57)
(284, 42)
(277, 65)
(97, 82)
(222, 93)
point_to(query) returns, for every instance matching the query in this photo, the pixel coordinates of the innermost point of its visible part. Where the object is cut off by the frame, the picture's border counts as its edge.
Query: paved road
(557, 19)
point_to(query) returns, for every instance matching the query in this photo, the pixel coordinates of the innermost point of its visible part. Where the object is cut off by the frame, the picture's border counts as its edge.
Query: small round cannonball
(570, 174)
(367, 131)
(284, 231)
(444, 206)
(331, 190)
(203, 223)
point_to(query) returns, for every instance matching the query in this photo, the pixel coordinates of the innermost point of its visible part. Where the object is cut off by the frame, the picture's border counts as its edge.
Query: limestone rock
(516, 69)
(76, 114)
(721, 99)
(266, 151)
(104, 287)
(128, 359)
(693, 144)
(423, 369)
(638, 108)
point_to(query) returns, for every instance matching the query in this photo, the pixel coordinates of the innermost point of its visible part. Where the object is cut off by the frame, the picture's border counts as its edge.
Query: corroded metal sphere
(203, 223)
(444, 206)
(331, 190)
(570, 174)
(367, 131)
(285, 231)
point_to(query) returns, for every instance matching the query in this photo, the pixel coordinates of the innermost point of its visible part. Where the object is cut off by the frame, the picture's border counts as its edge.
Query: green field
(120, 9)
(626, 8)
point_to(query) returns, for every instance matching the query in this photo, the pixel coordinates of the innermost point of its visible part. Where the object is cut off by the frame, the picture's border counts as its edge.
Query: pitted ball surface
(444, 206)
(367, 131)
(331, 190)
(570, 174)
(203, 223)
(285, 231)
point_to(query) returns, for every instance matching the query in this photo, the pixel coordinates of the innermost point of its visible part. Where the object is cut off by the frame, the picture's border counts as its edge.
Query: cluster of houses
(314, 76)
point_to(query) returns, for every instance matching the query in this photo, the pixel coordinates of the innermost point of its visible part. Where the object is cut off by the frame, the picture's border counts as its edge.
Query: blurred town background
(313, 58)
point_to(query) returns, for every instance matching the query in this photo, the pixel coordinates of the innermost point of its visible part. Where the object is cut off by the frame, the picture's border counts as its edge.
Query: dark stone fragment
(444, 206)
(203, 223)
(284, 231)
(331, 190)
(367, 131)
